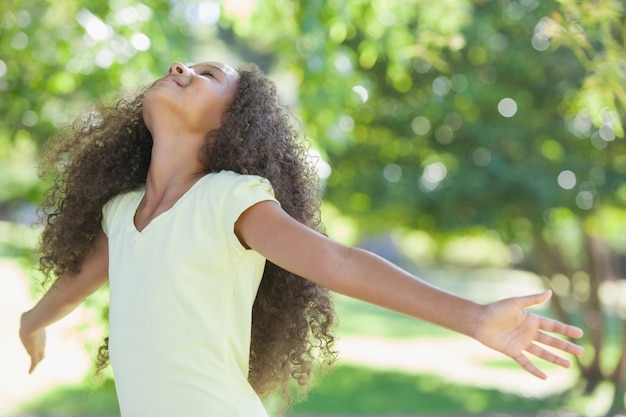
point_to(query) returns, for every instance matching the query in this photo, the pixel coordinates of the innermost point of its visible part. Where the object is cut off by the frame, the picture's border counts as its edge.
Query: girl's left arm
(65, 294)
(503, 325)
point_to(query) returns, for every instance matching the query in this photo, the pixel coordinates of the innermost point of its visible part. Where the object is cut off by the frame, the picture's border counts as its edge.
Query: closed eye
(207, 74)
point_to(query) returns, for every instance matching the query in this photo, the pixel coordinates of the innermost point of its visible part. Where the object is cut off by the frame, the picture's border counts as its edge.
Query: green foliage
(56, 56)
(596, 33)
(411, 109)
(390, 86)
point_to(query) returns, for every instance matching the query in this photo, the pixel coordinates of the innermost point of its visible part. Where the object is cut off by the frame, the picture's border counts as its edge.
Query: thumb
(534, 299)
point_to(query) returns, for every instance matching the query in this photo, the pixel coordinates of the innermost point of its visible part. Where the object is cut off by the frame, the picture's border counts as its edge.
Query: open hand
(508, 328)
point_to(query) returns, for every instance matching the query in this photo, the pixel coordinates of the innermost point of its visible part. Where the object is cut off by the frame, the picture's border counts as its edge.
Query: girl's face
(190, 99)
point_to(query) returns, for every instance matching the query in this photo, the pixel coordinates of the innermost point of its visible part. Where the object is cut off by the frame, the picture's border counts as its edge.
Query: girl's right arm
(63, 297)
(504, 325)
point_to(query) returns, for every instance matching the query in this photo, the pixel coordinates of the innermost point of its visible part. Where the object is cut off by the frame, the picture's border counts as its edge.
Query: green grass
(348, 390)
(85, 399)
(357, 318)
(357, 390)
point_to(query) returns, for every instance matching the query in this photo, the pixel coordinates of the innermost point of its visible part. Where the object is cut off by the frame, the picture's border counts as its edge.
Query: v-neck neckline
(158, 218)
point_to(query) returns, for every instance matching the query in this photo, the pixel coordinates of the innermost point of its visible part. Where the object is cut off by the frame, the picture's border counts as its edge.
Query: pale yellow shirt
(182, 291)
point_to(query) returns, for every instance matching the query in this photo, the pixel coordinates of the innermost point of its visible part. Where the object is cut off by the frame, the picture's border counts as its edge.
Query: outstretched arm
(62, 298)
(504, 325)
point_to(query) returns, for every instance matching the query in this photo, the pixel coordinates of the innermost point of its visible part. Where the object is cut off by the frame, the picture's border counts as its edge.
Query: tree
(504, 116)
(57, 56)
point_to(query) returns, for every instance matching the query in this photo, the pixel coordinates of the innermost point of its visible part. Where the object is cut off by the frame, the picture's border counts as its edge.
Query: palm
(508, 328)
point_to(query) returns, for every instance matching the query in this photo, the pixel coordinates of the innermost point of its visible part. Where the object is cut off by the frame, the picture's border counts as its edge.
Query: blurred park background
(478, 143)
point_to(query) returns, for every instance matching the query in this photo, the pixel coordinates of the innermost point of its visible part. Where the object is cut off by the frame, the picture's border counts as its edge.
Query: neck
(174, 167)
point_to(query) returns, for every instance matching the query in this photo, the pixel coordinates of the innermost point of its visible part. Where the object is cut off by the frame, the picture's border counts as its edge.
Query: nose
(178, 68)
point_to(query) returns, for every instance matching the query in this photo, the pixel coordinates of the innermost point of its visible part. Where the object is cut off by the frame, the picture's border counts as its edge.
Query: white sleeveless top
(181, 294)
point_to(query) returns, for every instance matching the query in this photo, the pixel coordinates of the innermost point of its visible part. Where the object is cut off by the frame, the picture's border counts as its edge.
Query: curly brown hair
(106, 152)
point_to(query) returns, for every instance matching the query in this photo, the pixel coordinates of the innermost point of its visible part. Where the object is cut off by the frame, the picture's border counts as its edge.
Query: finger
(33, 364)
(555, 342)
(548, 356)
(534, 299)
(34, 361)
(529, 366)
(556, 326)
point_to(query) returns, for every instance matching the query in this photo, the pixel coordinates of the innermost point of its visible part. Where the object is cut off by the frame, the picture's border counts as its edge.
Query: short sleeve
(239, 193)
(245, 192)
(114, 209)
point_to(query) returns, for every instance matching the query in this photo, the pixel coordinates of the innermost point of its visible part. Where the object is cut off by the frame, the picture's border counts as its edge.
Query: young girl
(195, 202)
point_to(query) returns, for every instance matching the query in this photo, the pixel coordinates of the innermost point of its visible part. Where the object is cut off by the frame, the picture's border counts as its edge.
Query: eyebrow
(217, 68)
(225, 78)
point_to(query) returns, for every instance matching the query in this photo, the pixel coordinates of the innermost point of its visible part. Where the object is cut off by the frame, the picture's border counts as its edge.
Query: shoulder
(231, 184)
(123, 199)
(118, 205)
(232, 193)
(235, 178)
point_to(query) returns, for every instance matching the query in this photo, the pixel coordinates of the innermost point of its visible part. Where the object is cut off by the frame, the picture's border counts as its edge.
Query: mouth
(170, 78)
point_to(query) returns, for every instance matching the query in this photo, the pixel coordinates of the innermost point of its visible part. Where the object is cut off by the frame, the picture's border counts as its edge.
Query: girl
(195, 202)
